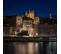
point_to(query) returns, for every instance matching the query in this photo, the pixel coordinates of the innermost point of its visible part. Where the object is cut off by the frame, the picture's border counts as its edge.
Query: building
(30, 22)
(18, 23)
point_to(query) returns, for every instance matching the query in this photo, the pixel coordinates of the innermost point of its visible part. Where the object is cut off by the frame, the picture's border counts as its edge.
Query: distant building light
(30, 35)
(36, 34)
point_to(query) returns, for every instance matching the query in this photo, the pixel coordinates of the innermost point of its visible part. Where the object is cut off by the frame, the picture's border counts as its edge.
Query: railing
(29, 39)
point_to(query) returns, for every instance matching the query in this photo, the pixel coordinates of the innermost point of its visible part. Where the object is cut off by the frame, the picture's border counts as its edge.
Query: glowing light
(36, 34)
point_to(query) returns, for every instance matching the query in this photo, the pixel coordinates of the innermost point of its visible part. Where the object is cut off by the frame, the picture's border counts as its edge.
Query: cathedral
(28, 22)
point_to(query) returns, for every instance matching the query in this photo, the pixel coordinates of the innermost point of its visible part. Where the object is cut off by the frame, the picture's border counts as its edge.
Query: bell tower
(31, 14)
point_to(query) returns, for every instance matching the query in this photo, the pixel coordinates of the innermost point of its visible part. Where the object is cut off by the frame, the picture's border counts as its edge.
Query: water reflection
(26, 48)
(30, 48)
(44, 47)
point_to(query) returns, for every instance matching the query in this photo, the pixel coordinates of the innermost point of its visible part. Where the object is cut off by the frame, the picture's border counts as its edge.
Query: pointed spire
(29, 10)
(26, 13)
(17, 13)
(50, 16)
(33, 9)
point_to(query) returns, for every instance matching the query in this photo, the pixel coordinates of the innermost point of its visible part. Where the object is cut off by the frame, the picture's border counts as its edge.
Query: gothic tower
(30, 14)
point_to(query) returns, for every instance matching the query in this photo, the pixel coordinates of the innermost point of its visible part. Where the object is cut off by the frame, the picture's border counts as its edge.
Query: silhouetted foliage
(23, 33)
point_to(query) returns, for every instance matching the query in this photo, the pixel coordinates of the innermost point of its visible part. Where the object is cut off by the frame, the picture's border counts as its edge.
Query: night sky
(41, 7)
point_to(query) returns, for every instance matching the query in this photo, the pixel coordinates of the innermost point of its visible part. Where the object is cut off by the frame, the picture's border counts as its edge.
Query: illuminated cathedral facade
(34, 25)
(29, 22)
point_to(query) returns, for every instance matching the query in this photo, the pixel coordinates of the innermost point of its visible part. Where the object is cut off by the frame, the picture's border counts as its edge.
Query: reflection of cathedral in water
(26, 48)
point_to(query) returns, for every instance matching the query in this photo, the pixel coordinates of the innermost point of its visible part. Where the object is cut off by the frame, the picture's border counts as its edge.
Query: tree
(22, 33)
